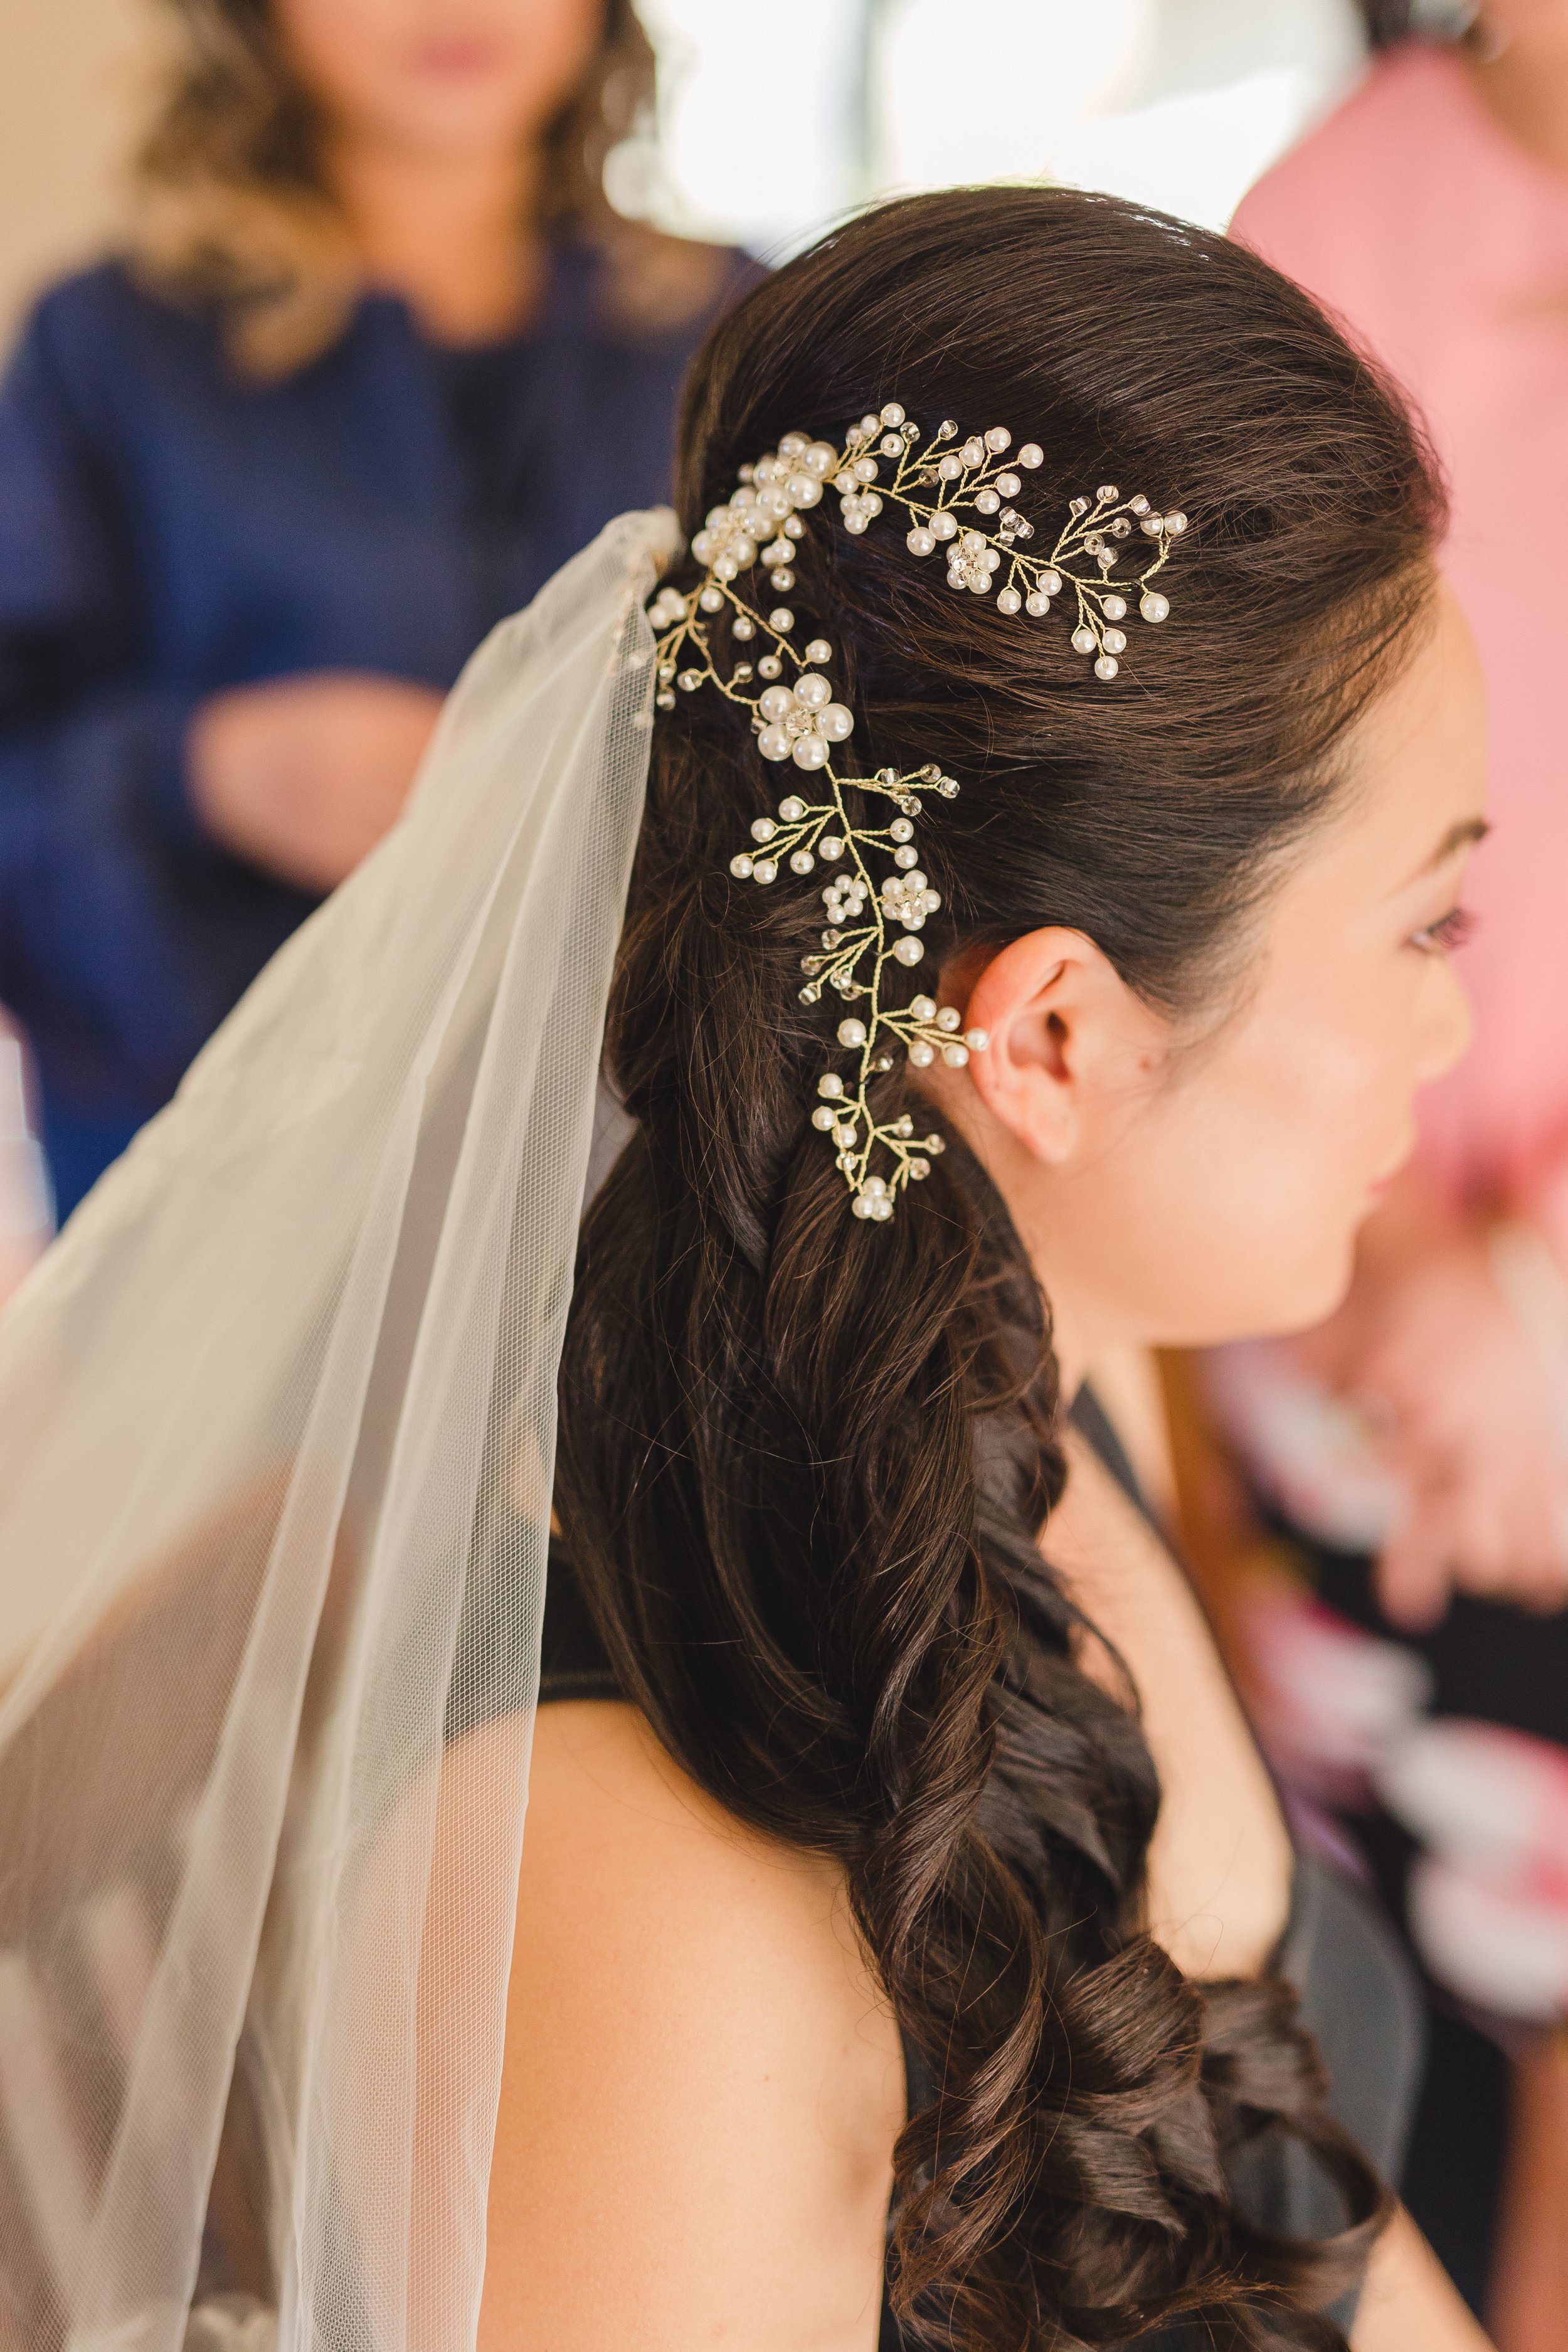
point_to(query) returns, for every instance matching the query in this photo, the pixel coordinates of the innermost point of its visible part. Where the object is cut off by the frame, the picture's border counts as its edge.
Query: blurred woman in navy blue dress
(377, 358)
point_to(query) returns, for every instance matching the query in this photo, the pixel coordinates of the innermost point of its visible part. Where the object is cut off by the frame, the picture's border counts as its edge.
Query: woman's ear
(1067, 1036)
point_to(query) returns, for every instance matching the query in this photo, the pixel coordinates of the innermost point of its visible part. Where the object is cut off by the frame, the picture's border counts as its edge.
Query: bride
(1014, 850)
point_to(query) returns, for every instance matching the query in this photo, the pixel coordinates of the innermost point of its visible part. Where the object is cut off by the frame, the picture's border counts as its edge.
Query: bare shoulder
(702, 2084)
(1221, 1865)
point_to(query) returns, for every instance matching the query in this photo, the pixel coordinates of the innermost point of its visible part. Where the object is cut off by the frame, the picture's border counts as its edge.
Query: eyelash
(1442, 938)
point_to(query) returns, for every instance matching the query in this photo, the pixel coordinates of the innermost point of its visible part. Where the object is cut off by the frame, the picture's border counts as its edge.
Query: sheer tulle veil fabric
(277, 1421)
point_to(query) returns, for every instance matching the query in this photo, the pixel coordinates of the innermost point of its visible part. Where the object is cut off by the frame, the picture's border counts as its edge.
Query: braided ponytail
(805, 1461)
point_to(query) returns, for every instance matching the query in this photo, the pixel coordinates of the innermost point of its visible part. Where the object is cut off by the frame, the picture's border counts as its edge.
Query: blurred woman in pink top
(1430, 214)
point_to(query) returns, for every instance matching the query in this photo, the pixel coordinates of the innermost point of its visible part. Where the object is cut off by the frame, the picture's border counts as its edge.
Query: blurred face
(1180, 1185)
(432, 75)
(1536, 29)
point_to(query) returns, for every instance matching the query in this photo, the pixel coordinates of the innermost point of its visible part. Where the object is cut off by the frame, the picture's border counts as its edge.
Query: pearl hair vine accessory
(957, 498)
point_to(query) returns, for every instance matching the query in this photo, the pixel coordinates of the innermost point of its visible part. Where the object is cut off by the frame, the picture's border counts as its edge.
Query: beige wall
(72, 79)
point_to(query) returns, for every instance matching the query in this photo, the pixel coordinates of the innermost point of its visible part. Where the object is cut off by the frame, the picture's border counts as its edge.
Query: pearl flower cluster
(953, 500)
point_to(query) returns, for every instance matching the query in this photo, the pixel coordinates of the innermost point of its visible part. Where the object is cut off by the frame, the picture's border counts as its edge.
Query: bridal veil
(277, 1423)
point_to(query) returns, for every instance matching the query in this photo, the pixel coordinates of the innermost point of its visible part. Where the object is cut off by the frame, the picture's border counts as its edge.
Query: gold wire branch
(872, 925)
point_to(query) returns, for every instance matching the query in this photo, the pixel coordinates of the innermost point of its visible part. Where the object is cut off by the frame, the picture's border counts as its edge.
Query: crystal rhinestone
(1106, 558)
(689, 680)
(820, 650)
(1108, 494)
(955, 1057)
(1077, 506)
(977, 1040)
(907, 950)
(852, 1033)
(764, 870)
(1083, 641)
(948, 787)
(920, 1169)
(949, 1017)
(934, 1145)
(921, 1054)
(812, 992)
(1113, 607)
(823, 1116)
(743, 627)
(923, 1008)
(741, 867)
(1140, 505)
(1107, 666)
(1008, 601)
(801, 861)
(782, 619)
(742, 674)
(1153, 606)
(831, 847)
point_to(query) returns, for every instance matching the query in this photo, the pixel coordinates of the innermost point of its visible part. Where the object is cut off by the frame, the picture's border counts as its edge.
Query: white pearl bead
(776, 703)
(1115, 641)
(921, 1054)
(1083, 641)
(820, 458)
(769, 666)
(852, 1033)
(920, 541)
(773, 743)
(949, 1017)
(943, 525)
(881, 1209)
(823, 1118)
(1107, 666)
(711, 600)
(1113, 607)
(831, 847)
(743, 627)
(835, 721)
(973, 452)
(809, 751)
(1035, 601)
(792, 809)
(893, 413)
(923, 1008)
(804, 490)
(764, 870)
(832, 1085)
(741, 867)
(1031, 455)
(1051, 581)
(998, 439)
(1152, 525)
(1153, 606)
(907, 950)
(784, 580)
(812, 690)
(820, 650)
(763, 828)
(860, 1206)
(902, 829)
(949, 469)
(905, 855)
(955, 1057)
(1176, 524)
(1008, 601)
(782, 619)
(802, 862)
(1009, 485)
(977, 1040)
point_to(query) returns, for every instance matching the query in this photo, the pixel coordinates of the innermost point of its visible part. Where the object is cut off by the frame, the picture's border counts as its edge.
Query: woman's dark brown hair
(805, 1461)
(232, 204)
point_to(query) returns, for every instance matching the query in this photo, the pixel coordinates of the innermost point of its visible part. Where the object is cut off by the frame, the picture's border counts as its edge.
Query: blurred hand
(303, 775)
(1431, 1351)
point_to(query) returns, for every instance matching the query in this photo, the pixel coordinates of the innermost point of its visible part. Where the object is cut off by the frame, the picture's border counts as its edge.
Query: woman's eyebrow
(1462, 836)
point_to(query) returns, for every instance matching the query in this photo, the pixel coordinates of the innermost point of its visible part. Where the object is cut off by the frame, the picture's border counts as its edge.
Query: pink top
(1413, 217)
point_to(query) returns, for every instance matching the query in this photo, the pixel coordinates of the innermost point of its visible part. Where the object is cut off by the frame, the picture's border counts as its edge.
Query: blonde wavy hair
(231, 209)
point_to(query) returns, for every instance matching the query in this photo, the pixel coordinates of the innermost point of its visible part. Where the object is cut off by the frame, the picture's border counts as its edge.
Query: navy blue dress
(166, 530)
